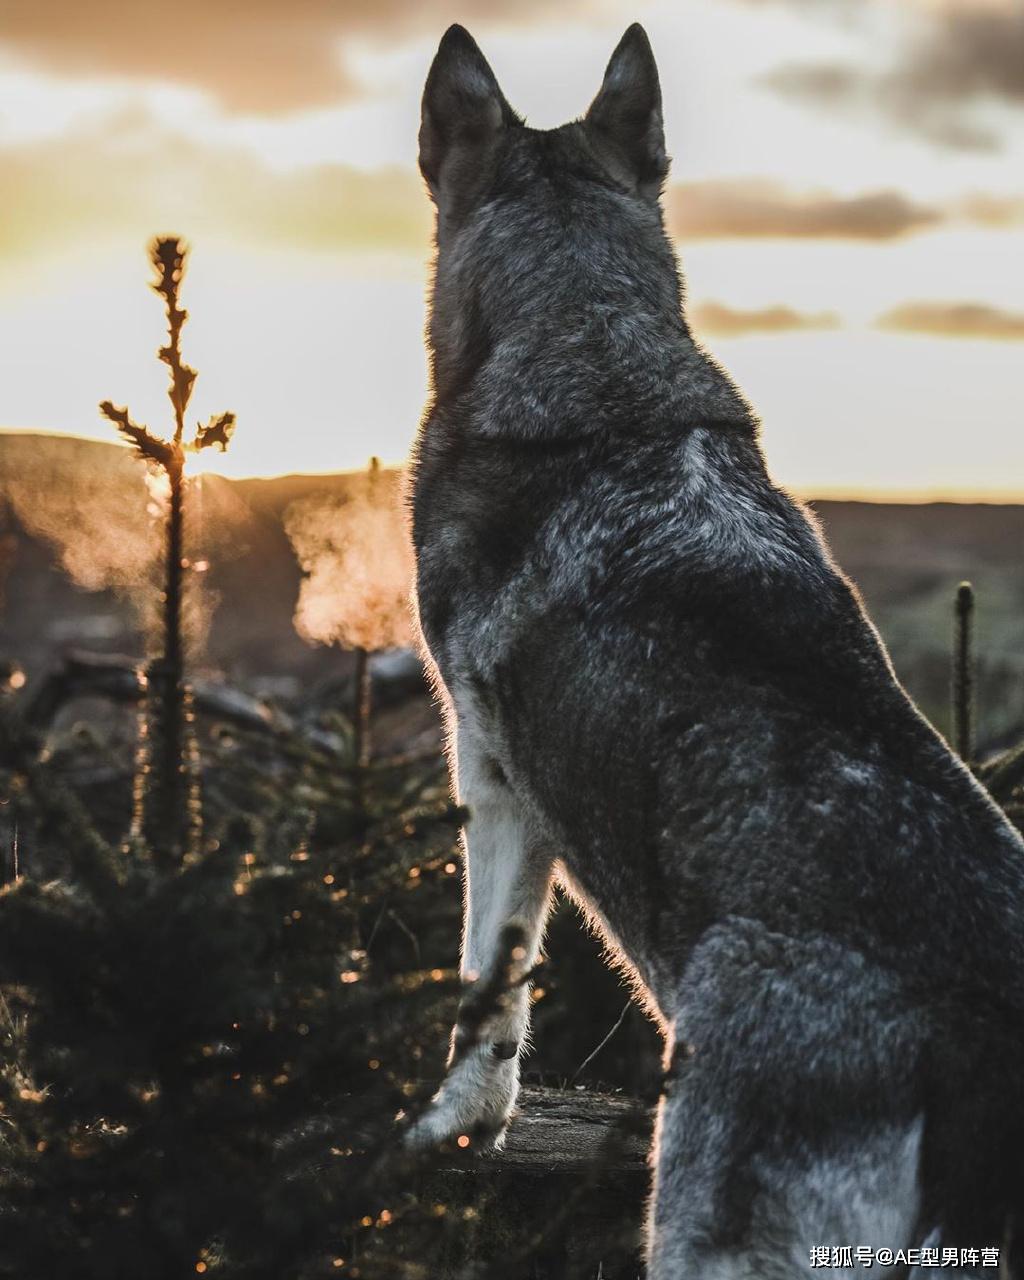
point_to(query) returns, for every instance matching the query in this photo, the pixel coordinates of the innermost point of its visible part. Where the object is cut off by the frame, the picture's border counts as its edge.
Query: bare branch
(216, 432)
(147, 445)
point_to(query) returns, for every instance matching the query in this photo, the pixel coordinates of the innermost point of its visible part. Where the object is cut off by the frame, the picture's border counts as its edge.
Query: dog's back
(681, 694)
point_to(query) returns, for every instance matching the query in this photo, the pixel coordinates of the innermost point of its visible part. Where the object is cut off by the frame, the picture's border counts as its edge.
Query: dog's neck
(578, 369)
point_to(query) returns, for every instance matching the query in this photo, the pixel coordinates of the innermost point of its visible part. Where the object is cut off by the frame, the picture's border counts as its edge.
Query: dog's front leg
(507, 882)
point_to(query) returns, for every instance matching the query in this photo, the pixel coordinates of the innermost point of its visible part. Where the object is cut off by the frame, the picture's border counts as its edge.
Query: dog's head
(523, 214)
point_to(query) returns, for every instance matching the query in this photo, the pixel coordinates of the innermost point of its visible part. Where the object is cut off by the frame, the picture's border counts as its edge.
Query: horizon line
(879, 496)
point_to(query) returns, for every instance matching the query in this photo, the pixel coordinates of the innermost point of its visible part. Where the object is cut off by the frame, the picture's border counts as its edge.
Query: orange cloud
(252, 55)
(955, 320)
(993, 211)
(749, 207)
(728, 322)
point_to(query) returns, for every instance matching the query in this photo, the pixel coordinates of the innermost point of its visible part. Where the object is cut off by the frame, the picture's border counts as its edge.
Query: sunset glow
(845, 195)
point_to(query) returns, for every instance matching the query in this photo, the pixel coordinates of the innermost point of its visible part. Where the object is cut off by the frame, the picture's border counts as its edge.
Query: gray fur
(658, 683)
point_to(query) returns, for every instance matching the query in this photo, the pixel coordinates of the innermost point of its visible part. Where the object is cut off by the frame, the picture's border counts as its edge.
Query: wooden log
(563, 1200)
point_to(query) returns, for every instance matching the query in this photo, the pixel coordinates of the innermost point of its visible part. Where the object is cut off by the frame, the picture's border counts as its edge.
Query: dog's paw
(475, 1102)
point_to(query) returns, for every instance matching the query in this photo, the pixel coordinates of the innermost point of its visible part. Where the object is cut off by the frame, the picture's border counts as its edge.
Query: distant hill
(906, 560)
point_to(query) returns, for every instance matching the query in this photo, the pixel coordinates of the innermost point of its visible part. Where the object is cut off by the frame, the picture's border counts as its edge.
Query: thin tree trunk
(361, 713)
(362, 710)
(168, 817)
(963, 675)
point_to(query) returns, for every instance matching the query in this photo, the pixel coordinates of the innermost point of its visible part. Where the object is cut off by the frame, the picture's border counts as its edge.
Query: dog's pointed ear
(626, 114)
(464, 112)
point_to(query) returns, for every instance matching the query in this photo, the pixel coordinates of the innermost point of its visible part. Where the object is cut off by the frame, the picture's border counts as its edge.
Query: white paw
(475, 1102)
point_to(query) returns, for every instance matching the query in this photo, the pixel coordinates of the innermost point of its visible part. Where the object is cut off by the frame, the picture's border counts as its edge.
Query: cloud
(749, 207)
(954, 56)
(891, 95)
(127, 176)
(262, 56)
(972, 48)
(130, 176)
(993, 211)
(727, 322)
(955, 320)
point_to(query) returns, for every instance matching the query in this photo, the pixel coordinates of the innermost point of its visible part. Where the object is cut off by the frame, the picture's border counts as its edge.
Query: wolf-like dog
(661, 689)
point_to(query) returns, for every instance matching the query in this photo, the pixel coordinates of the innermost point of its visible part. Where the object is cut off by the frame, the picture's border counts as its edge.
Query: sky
(846, 196)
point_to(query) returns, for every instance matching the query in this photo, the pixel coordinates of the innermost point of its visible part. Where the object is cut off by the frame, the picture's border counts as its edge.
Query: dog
(660, 689)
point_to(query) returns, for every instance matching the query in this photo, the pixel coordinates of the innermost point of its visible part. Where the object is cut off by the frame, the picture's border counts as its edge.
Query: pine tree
(203, 1063)
(170, 813)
